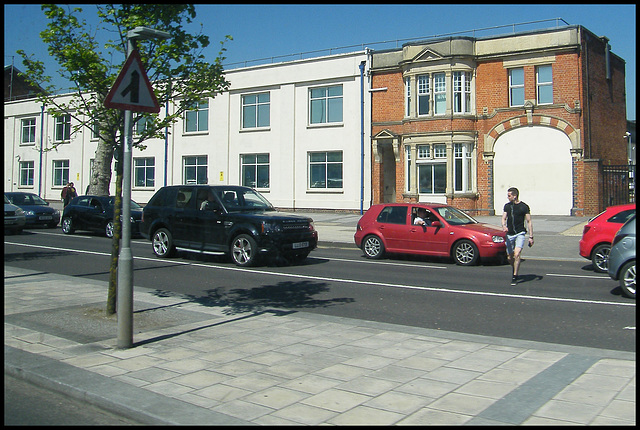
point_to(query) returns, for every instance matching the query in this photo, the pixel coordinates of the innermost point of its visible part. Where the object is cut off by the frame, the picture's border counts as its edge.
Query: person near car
(68, 193)
(421, 218)
(209, 204)
(514, 215)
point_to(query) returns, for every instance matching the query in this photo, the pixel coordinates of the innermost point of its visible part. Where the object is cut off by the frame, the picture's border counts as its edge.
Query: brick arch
(530, 120)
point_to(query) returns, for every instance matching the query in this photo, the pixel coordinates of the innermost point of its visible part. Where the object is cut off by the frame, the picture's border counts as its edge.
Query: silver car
(14, 218)
(622, 258)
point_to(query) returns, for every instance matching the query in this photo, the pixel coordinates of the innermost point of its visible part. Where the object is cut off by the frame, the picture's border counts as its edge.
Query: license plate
(45, 217)
(299, 245)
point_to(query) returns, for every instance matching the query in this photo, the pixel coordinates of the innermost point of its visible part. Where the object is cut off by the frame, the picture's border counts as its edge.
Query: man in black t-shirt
(514, 215)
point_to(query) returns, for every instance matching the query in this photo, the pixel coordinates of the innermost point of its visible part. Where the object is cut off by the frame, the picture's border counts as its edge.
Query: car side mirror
(436, 224)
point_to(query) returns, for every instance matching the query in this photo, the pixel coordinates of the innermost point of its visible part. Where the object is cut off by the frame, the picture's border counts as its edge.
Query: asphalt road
(557, 301)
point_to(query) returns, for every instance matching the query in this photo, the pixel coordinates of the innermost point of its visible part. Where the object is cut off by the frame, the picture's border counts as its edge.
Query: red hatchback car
(599, 232)
(448, 232)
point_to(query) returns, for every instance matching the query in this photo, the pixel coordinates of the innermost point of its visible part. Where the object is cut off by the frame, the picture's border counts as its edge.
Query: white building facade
(298, 132)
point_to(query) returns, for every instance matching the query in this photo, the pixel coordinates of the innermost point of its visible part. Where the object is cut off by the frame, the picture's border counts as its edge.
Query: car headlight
(271, 227)
(497, 239)
(28, 213)
(19, 211)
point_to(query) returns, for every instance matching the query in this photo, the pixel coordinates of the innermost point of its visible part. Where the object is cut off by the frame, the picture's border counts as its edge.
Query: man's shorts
(515, 241)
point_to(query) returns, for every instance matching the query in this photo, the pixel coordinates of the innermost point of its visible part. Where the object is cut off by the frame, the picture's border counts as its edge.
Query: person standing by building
(514, 215)
(68, 194)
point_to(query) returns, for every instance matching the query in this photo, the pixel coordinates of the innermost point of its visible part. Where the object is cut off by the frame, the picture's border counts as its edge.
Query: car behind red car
(599, 232)
(449, 232)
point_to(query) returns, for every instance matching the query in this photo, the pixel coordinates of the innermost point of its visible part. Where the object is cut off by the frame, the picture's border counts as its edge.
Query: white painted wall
(537, 161)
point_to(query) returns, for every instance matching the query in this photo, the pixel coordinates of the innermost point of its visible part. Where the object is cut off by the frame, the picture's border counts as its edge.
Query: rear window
(622, 217)
(393, 215)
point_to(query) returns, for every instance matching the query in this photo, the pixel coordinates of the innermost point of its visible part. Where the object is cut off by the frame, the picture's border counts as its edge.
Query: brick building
(461, 119)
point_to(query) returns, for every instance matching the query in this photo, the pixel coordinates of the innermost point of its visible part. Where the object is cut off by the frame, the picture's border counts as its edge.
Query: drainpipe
(41, 150)
(362, 64)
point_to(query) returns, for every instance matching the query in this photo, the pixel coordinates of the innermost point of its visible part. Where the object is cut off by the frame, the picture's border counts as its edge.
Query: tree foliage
(91, 59)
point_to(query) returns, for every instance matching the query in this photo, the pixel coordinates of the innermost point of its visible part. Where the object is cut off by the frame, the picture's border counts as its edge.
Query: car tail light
(586, 229)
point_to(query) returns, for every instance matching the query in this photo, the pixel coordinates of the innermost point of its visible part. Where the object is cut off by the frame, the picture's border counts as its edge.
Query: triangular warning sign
(132, 89)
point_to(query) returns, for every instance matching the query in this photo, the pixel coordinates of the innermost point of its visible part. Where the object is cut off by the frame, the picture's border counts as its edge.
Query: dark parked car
(95, 213)
(233, 220)
(14, 219)
(36, 210)
(599, 231)
(449, 232)
(622, 258)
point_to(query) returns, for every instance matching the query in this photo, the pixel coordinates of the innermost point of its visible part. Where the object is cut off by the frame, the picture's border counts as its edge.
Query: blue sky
(265, 30)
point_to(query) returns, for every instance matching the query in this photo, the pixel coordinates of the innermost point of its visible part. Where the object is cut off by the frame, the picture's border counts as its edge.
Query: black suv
(232, 220)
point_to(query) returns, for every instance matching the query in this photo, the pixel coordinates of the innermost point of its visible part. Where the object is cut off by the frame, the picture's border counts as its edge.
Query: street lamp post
(125, 260)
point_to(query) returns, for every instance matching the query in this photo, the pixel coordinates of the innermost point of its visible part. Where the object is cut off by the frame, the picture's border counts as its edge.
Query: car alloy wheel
(600, 258)
(465, 253)
(108, 230)
(628, 279)
(67, 226)
(163, 243)
(243, 250)
(373, 247)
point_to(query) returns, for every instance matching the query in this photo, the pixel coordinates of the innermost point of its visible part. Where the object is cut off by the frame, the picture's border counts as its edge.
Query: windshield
(243, 199)
(134, 205)
(454, 216)
(26, 200)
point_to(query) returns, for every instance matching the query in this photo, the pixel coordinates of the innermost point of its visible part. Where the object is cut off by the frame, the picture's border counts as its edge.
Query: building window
(60, 173)
(424, 95)
(63, 128)
(195, 170)
(197, 119)
(461, 92)
(407, 93)
(325, 105)
(431, 168)
(462, 167)
(28, 130)
(255, 110)
(26, 173)
(95, 130)
(544, 85)
(144, 172)
(516, 87)
(142, 125)
(325, 169)
(439, 93)
(255, 170)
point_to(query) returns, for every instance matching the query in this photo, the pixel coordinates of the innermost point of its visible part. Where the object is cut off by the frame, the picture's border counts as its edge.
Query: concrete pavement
(195, 363)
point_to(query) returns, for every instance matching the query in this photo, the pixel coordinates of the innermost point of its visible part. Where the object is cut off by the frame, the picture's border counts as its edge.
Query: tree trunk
(115, 244)
(101, 170)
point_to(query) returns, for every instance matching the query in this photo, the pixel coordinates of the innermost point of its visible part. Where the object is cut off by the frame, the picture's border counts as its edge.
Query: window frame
(544, 85)
(423, 83)
(439, 93)
(519, 87)
(145, 170)
(407, 96)
(258, 167)
(61, 169)
(328, 101)
(27, 173)
(328, 167)
(462, 168)
(257, 105)
(31, 131)
(197, 166)
(461, 82)
(200, 114)
(62, 125)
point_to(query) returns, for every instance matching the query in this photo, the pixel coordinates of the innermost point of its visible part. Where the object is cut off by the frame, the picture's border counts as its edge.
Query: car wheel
(465, 253)
(67, 226)
(108, 229)
(244, 250)
(163, 243)
(600, 258)
(628, 279)
(373, 247)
